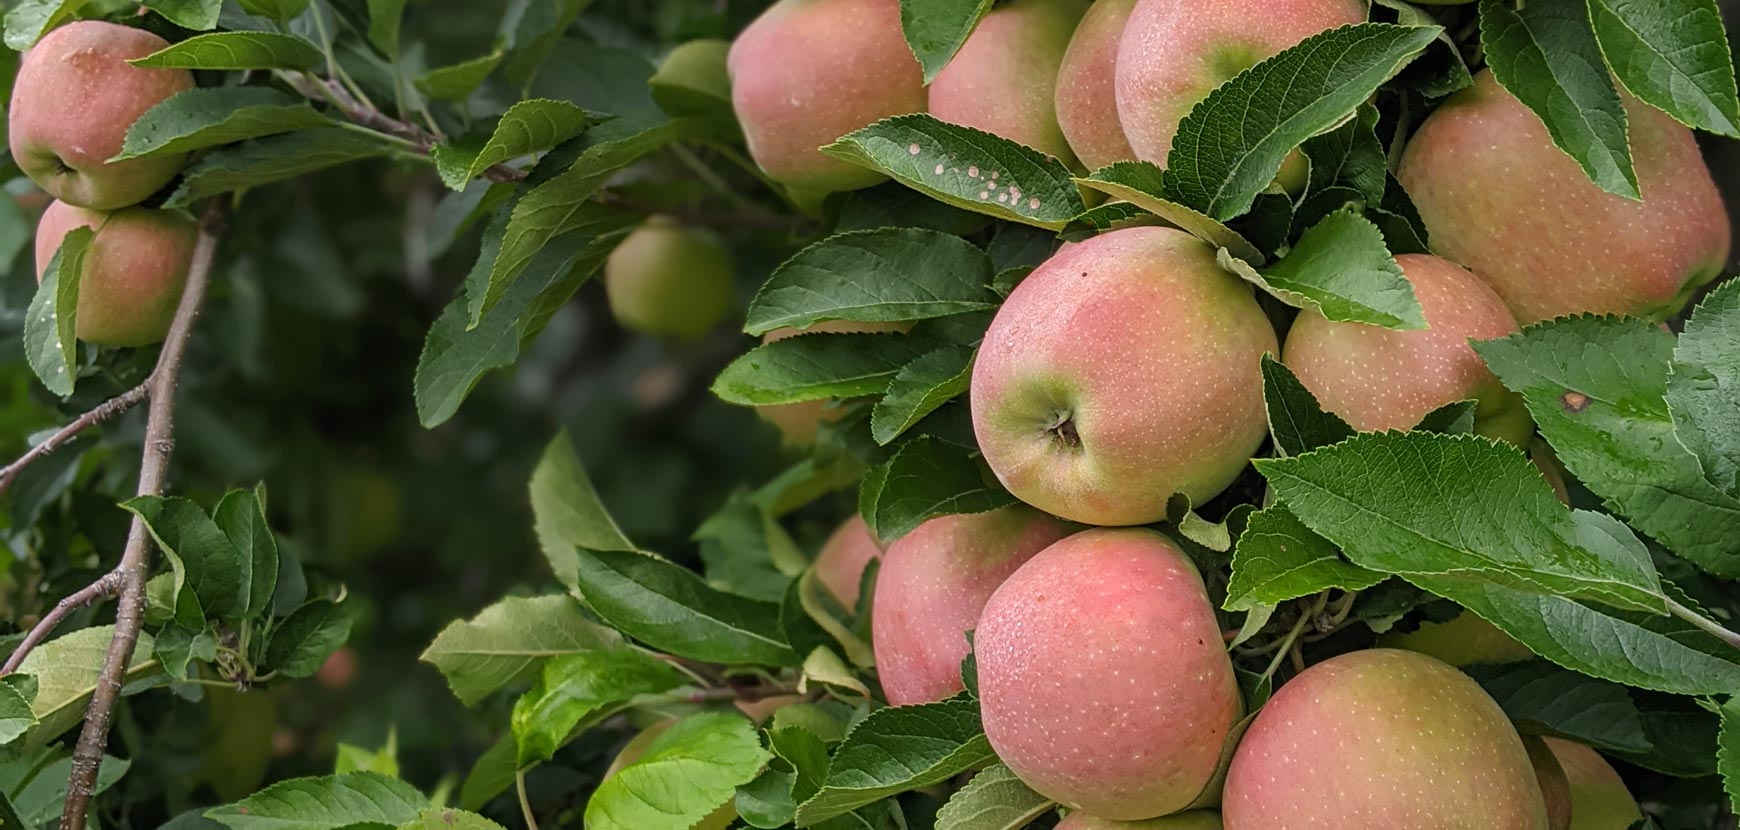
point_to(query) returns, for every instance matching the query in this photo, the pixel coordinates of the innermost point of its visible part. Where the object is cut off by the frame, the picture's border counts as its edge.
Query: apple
(1599, 799)
(1087, 103)
(1382, 738)
(1555, 786)
(799, 422)
(1193, 820)
(1499, 197)
(841, 562)
(1463, 640)
(1123, 370)
(637, 746)
(670, 280)
(72, 103)
(931, 587)
(133, 272)
(1004, 78)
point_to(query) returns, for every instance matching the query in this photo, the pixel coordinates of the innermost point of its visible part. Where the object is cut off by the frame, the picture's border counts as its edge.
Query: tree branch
(135, 563)
(103, 412)
(105, 587)
(363, 115)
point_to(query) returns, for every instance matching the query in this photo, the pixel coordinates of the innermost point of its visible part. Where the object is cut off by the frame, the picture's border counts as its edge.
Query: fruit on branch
(841, 562)
(931, 587)
(1175, 52)
(1193, 820)
(1499, 197)
(638, 745)
(133, 272)
(1378, 379)
(809, 71)
(1087, 103)
(1463, 640)
(1599, 799)
(1555, 786)
(1123, 370)
(1103, 679)
(669, 280)
(760, 710)
(1004, 78)
(74, 99)
(799, 422)
(1382, 738)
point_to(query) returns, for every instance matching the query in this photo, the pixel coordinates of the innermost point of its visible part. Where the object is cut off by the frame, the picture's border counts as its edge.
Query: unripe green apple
(637, 746)
(1499, 197)
(1599, 799)
(1193, 820)
(809, 71)
(73, 101)
(1004, 78)
(799, 422)
(1123, 370)
(670, 280)
(1104, 683)
(1382, 738)
(1087, 101)
(133, 273)
(1463, 640)
(931, 587)
(1380, 379)
(840, 565)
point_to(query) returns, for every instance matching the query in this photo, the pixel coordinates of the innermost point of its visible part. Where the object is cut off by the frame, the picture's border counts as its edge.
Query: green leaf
(279, 10)
(353, 758)
(897, 749)
(688, 771)
(1597, 387)
(811, 367)
(1297, 421)
(1703, 387)
(1342, 269)
(1141, 184)
(303, 640)
(919, 388)
(205, 561)
(766, 802)
(271, 159)
(1728, 751)
(1672, 54)
(925, 478)
(1278, 558)
(209, 117)
(493, 772)
(527, 127)
(967, 168)
(51, 323)
(40, 802)
(994, 800)
(457, 82)
(935, 29)
(326, 803)
(573, 687)
(236, 50)
(886, 275)
(1543, 698)
(1230, 147)
(176, 648)
(1546, 54)
(1350, 155)
(506, 642)
(198, 15)
(670, 608)
(531, 29)
(1420, 503)
(29, 20)
(447, 818)
(242, 518)
(566, 512)
(385, 17)
(66, 670)
(15, 715)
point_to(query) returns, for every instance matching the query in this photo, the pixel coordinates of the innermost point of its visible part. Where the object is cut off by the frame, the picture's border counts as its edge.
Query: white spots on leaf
(984, 194)
(1033, 203)
(913, 149)
(940, 169)
(973, 171)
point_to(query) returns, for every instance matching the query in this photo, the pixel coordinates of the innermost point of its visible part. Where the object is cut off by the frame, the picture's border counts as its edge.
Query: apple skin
(809, 71)
(1087, 103)
(1464, 640)
(1599, 799)
(799, 422)
(931, 587)
(637, 746)
(1074, 426)
(72, 103)
(133, 272)
(1175, 52)
(840, 564)
(1382, 379)
(668, 280)
(1555, 786)
(1104, 683)
(1193, 820)
(1495, 194)
(1382, 738)
(1004, 78)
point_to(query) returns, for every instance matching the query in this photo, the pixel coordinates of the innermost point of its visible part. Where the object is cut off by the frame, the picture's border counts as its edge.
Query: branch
(103, 412)
(135, 563)
(364, 115)
(105, 587)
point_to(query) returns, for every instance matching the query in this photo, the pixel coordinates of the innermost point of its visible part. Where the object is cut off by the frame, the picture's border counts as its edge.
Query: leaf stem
(525, 803)
(1710, 626)
(1286, 644)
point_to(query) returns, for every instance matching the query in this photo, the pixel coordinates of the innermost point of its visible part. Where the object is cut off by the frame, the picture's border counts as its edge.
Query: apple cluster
(74, 99)
(1125, 370)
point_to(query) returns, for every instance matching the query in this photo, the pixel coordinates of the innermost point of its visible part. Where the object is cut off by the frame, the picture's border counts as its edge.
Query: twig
(103, 412)
(135, 563)
(364, 115)
(105, 587)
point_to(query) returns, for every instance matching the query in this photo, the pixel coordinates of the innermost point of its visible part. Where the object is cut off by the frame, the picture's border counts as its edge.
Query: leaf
(817, 366)
(447, 818)
(15, 716)
(1341, 268)
(271, 159)
(1141, 184)
(531, 29)
(51, 322)
(924, 479)
(40, 802)
(326, 803)
(573, 687)
(967, 168)
(1278, 558)
(199, 118)
(279, 10)
(1230, 147)
(994, 800)
(566, 512)
(1351, 155)
(528, 127)
(385, 17)
(885, 275)
(1703, 387)
(1546, 699)
(1546, 55)
(242, 518)
(897, 749)
(935, 29)
(29, 20)
(766, 801)
(303, 640)
(205, 561)
(198, 15)
(1597, 387)
(688, 771)
(1728, 751)
(1297, 421)
(670, 608)
(506, 642)
(66, 670)
(176, 648)
(919, 388)
(236, 50)
(457, 82)
(1672, 54)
